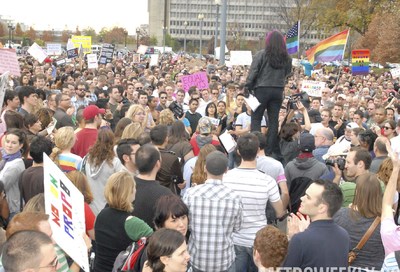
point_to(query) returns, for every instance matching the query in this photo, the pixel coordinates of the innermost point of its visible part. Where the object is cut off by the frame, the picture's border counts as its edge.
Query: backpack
(297, 189)
(128, 259)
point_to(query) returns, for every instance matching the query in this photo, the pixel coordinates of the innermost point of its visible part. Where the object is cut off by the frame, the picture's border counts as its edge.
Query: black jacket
(263, 75)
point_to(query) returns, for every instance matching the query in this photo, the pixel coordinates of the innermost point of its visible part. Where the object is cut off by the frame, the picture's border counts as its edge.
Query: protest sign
(214, 121)
(106, 54)
(296, 62)
(136, 58)
(312, 88)
(154, 60)
(54, 49)
(9, 62)
(199, 80)
(395, 72)
(227, 141)
(142, 49)
(3, 85)
(73, 53)
(253, 102)
(60, 62)
(65, 205)
(92, 61)
(217, 49)
(85, 41)
(37, 52)
(360, 62)
(241, 58)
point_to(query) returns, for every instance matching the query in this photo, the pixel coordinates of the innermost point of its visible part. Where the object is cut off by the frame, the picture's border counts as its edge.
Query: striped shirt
(69, 162)
(215, 212)
(390, 264)
(255, 188)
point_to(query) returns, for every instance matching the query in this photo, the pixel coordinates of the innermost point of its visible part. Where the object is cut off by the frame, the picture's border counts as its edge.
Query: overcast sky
(47, 14)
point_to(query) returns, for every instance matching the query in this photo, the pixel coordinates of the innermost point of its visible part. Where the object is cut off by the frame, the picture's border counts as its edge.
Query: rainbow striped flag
(292, 39)
(330, 49)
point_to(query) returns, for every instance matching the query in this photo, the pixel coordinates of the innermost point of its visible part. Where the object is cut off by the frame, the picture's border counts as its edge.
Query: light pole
(10, 33)
(126, 36)
(137, 38)
(260, 36)
(201, 18)
(217, 3)
(185, 24)
(234, 40)
(164, 34)
(223, 33)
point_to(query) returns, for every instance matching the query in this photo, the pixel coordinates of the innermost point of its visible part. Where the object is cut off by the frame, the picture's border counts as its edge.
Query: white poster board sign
(241, 57)
(154, 60)
(3, 85)
(253, 102)
(9, 62)
(92, 61)
(214, 121)
(227, 141)
(395, 72)
(54, 49)
(37, 52)
(142, 49)
(65, 207)
(296, 62)
(217, 49)
(312, 88)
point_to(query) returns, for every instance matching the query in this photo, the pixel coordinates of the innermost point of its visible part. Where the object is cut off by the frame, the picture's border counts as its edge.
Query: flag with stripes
(330, 49)
(292, 39)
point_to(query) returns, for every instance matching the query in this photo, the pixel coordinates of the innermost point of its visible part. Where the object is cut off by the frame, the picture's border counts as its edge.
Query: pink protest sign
(9, 62)
(199, 80)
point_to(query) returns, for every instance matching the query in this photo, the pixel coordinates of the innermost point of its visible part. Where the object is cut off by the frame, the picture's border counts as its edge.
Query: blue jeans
(270, 98)
(244, 259)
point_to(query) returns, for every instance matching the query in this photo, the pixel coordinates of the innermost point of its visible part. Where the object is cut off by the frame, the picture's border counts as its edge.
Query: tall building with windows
(246, 19)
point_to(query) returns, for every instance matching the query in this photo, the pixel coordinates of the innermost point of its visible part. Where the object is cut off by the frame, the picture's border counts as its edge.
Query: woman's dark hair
(22, 139)
(13, 120)
(288, 130)
(276, 51)
(169, 206)
(163, 242)
(177, 133)
(367, 139)
(103, 148)
(30, 119)
(209, 105)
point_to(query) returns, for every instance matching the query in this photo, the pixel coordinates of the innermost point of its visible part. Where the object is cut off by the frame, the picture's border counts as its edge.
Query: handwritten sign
(241, 58)
(37, 52)
(395, 72)
(199, 80)
(312, 88)
(64, 204)
(54, 49)
(136, 58)
(360, 62)
(9, 62)
(85, 41)
(107, 53)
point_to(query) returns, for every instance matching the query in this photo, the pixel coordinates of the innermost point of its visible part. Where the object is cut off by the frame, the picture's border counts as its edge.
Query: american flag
(292, 38)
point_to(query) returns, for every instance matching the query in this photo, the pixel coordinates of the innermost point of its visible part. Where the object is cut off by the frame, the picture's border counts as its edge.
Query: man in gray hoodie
(305, 165)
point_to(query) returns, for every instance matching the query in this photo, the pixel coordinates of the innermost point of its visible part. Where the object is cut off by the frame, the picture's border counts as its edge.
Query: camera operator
(358, 162)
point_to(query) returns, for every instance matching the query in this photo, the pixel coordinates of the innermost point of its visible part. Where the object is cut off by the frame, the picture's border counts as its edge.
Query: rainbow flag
(292, 39)
(330, 49)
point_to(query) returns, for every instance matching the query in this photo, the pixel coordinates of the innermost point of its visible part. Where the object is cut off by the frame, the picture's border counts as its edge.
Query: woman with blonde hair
(137, 114)
(199, 176)
(115, 227)
(100, 164)
(81, 183)
(166, 117)
(64, 140)
(132, 131)
(120, 127)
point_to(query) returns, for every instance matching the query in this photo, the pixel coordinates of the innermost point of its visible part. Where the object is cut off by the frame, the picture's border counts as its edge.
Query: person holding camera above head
(358, 162)
(267, 78)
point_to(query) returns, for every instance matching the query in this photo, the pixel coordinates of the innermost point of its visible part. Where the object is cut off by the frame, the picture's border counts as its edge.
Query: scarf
(8, 157)
(305, 155)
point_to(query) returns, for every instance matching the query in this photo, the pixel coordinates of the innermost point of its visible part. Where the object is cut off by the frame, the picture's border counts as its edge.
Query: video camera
(302, 97)
(341, 162)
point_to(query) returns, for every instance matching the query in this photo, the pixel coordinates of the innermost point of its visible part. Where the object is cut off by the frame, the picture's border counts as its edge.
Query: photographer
(358, 162)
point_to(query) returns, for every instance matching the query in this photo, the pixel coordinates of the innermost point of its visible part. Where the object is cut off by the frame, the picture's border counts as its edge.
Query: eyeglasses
(163, 97)
(387, 128)
(87, 96)
(53, 264)
(215, 93)
(139, 88)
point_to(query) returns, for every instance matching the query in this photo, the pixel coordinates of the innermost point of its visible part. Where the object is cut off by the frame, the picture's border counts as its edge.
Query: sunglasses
(387, 128)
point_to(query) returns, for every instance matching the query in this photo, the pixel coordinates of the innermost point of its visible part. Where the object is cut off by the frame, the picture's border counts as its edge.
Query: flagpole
(298, 38)
(347, 39)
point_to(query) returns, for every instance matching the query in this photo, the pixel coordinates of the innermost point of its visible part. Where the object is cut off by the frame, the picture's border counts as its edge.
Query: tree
(18, 30)
(153, 40)
(356, 14)
(210, 45)
(31, 34)
(47, 36)
(39, 42)
(77, 31)
(65, 36)
(115, 35)
(90, 32)
(1, 30)
(171, 42)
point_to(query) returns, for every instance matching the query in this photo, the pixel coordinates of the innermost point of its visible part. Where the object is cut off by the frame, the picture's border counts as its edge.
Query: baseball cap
(307, 142)
(204, 125)
(342, 96)
(216, 163)
(91, 111)
(352, 125)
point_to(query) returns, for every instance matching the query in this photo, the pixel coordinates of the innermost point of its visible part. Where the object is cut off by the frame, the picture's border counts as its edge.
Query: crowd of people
(308, 178)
